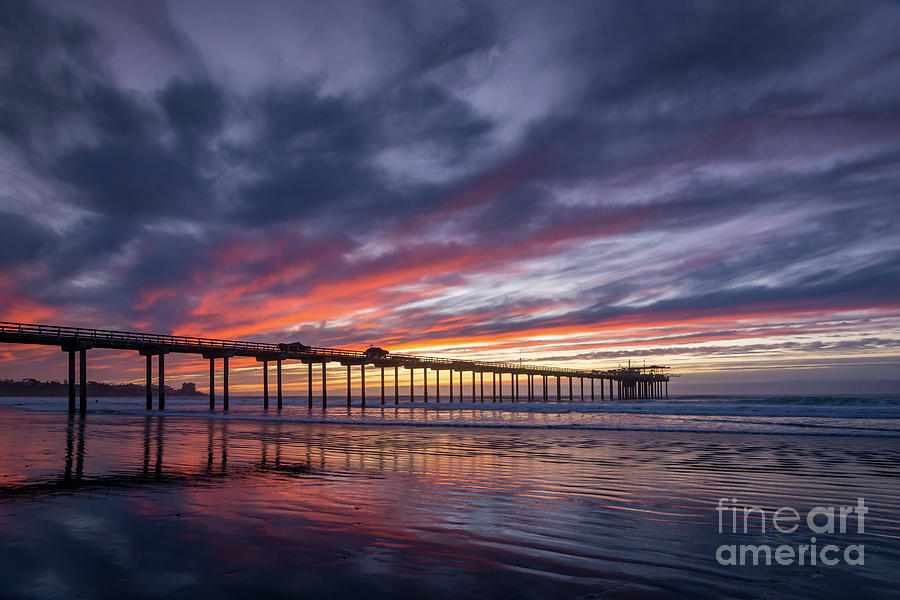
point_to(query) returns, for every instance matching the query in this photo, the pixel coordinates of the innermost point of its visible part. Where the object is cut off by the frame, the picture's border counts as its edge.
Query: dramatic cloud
(581, 183)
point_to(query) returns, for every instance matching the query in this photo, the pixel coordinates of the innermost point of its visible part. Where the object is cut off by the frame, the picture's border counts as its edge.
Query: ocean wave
(832, 416)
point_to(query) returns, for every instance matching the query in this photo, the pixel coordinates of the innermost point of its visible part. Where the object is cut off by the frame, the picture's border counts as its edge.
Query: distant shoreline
(33, 387)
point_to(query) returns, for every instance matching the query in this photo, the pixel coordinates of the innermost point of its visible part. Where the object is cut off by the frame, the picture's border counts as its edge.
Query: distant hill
(33, 387)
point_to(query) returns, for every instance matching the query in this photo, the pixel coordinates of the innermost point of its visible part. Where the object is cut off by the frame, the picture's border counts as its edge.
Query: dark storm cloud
(672, 47)
(21, 240)
(42, 67)
(105, 146)
(195, 109)
(129, 180)
(471, 139)
(310, 156)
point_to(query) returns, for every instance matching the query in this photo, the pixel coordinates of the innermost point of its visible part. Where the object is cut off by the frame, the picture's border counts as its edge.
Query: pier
(504, 379)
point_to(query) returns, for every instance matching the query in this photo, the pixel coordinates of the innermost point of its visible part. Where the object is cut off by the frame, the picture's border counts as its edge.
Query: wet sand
(123, 505)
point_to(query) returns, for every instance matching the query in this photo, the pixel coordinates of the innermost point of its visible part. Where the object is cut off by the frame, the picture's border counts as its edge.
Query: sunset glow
(502, 200)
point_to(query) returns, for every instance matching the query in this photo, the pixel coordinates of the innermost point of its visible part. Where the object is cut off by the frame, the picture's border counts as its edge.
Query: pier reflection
(148, 467)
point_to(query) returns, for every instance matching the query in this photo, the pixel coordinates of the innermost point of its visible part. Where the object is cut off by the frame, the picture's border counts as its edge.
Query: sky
(713, 186)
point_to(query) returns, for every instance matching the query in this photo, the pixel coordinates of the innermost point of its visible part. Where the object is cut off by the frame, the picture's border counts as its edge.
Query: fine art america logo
(830, 520)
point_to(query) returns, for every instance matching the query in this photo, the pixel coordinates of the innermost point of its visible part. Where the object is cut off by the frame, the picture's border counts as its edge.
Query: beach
(433, 501)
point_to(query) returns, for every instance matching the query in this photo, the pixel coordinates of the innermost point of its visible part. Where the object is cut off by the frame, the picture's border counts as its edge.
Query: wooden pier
(618, 383)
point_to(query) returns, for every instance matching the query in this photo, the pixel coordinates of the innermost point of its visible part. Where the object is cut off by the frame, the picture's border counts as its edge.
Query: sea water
(618, 499)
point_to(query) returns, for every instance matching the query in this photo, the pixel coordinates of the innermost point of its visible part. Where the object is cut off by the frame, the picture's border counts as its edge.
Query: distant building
(188, 388)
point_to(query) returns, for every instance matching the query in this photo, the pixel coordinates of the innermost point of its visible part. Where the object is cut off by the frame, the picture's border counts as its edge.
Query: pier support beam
(493, 386)
(412, 384)
(348, 386)
(425, 384)
(324, 387)
(71, 381)
(212, 382)
(82, 379)
(309, 385)
(592, 389)
(558, 388)
(224, 355)
(265, 364)
(224, 383)
(162, 380)
(437, 385)
(396, 385)
(382, 385)
(362, 383)
(278, 391)
(451, 386)
(473, 387)
(481, 378)
(148, 383)
(570, 388)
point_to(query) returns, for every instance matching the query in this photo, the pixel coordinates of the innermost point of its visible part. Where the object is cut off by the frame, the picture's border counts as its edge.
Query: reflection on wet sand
(152, 468)
(232, 507)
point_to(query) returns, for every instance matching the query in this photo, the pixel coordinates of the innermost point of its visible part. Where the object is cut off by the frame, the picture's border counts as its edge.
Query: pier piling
(71, 381)
(225, 383)
(265, 365)
(278, 392)
(162, 380)
(148, 383)
(309, 383)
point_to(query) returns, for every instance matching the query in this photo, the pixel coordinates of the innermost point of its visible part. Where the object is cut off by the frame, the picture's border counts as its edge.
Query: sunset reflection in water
(178, 505)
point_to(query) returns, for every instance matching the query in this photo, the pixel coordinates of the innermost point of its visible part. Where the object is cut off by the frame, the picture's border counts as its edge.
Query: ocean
(612, 499)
